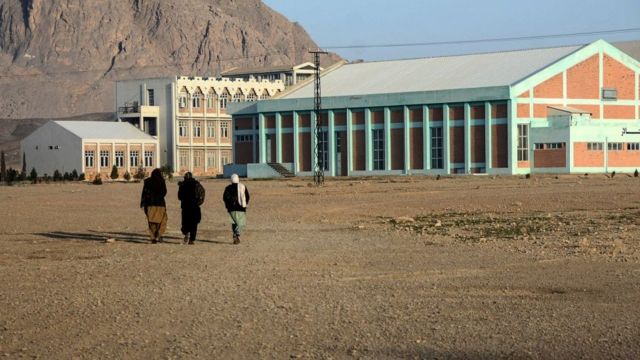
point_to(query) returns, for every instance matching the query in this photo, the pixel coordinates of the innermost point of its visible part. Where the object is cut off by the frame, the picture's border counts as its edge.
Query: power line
(456, 42)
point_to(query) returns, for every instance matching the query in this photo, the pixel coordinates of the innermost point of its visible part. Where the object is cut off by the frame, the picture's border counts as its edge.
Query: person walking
(152, 200)
(191, 196)
(236, 199)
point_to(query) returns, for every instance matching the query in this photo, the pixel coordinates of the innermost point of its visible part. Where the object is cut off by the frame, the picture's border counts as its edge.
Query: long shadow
(101, 236)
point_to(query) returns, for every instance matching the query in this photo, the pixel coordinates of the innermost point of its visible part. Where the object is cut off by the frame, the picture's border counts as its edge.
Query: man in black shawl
(190, 194)
(152, 200)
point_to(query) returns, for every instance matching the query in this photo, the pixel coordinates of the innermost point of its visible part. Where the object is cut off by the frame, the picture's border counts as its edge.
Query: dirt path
(381, 268)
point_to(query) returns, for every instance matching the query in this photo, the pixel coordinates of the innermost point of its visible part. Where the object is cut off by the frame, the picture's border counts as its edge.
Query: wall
(67, 158)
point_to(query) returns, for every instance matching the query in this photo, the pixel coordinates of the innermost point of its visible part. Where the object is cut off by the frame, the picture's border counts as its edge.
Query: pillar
(296, 143)
(407, 140)
(368, 149)
(426, 139)
(467, 138)
(262, 140)
(332, 143)
(278, 137)
(314, 153)
(349, 117)
(512, 136)
(446, 139)
(488, 137)
(387, 138)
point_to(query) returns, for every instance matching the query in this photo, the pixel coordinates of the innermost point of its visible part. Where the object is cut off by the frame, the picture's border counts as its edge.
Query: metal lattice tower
(318, 173)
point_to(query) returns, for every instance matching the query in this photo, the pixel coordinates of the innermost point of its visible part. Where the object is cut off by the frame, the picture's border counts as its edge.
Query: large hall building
(552, 110)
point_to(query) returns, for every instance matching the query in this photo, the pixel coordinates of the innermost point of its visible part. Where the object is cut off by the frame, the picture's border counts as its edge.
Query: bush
(127, 176)
(11, 176)
(81, 177)
(57, 176)
(74, 175)
(33, 176)
(114, 173)
(141, 174)
(635, 173)
(66, 176)
(46, 178)
(97, 180)
(167, 171)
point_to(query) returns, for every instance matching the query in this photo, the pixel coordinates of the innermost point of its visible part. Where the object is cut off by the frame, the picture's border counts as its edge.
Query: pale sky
(363, 22)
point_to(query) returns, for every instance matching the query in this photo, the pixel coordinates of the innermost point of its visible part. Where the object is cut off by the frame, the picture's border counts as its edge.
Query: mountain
(60, 58)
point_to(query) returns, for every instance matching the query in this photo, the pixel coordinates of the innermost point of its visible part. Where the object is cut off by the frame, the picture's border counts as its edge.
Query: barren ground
(382, 268)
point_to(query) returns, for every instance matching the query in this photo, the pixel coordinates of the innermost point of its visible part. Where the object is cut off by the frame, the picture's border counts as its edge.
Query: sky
(363, 22)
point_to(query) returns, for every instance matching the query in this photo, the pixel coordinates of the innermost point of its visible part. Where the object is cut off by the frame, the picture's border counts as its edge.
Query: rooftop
(104, 130)
(435, 73)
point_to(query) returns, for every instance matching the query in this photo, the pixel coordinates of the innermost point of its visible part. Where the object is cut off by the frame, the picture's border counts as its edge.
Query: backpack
(199, 193)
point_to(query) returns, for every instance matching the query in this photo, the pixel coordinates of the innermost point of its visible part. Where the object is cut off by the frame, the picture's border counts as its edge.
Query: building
(289, 75)
(188, 115)
(90, 147)
(559, 110)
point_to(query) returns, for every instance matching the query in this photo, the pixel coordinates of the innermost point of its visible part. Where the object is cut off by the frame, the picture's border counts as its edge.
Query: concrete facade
(188, 115)
(541, 122)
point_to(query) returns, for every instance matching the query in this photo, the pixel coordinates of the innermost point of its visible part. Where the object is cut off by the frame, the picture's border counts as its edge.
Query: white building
(90, 147)
(188, 116)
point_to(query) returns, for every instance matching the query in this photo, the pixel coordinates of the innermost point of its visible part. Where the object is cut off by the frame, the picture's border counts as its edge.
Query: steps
(281, 170)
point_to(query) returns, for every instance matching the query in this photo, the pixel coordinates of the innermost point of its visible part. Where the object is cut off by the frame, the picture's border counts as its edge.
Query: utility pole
(318, 173)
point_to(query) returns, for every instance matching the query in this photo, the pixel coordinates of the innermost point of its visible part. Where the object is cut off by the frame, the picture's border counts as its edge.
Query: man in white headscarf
(236, 199)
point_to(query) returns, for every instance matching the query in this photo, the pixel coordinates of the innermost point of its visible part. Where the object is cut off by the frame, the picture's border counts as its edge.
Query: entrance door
(268, 149)
(338, 159)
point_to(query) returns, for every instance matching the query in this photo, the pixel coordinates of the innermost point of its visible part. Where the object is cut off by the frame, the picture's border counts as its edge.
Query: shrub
(81, 177)
(167, 171)
(11, 176)
(97, 180)
(57, 176)
(635, 173)
(33, 176)
(114, 173)
(74, 175)
(127, 176)
(141, 174)
(46, 178)
(66, 176)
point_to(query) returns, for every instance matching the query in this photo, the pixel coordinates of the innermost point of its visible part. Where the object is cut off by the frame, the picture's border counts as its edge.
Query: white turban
(235, 179)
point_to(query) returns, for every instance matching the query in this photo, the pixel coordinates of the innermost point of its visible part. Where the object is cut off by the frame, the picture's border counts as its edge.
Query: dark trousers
(190, 219)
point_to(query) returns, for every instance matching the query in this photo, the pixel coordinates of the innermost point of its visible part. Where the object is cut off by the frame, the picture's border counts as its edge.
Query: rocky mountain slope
(60, 58)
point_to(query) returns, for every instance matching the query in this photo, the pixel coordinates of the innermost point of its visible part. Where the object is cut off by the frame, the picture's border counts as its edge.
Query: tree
(3, 167)
(114, 173)
(11, 176)
(74, 175)
(97, 180)
(57, 176)
(127, 176)
(81, 177)
(23, 173)
(33, 176)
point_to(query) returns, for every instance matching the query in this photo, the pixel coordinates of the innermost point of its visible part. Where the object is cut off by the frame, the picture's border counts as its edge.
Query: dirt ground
(473, 267)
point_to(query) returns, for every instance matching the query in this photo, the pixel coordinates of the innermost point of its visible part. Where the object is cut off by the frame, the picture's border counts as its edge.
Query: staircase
(281, 170)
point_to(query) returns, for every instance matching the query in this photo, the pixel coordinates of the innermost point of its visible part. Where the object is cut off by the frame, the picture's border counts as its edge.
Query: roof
(104, 130)
(568, 109)
(631, 48)
(266, 69)
(436, 73)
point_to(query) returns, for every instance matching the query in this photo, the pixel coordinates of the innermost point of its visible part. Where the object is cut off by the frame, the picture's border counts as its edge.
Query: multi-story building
(188, 116)
(290, 75)
(538, 110)
(90, 147)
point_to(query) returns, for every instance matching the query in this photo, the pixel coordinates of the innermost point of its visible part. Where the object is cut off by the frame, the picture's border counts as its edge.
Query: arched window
(212, 99)
(196, 99)
(238, 96)
(224, 97)
(252, 96)
(265, 95)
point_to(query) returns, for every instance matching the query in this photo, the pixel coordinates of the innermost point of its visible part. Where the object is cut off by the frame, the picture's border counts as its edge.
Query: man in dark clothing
(152, 200)
(236, 199)
(188, 194)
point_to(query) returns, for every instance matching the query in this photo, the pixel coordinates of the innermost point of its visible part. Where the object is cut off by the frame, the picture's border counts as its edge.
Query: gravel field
(474, 267)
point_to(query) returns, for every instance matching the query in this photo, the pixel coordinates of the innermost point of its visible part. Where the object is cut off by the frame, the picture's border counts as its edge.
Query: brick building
(90, 147)
(538, 110)
(188, 116)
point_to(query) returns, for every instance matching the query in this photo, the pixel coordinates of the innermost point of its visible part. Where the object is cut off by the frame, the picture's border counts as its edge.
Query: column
(467, 138)
(97, 158)
(407, 140)
(446, 139)
(349, 117)
(296, 143)
(387, 138)
(426, 139)
(113, 155)
(262, 140)
(488, 138)
(278, 137)
(512, 136)
(368, 149)
(332, 143)
(127, 158)
(312, 130)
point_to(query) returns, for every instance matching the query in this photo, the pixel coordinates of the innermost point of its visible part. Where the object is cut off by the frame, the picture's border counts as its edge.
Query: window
(224, 159)
(195, 100)
(378, 149)
(211, 159)
(223, 100)
(182, 128)
(182, 100)
(197, 159)
(104, 158)
(134, 155)
(119, 158)
(224, 129)
(252, 96)
(151, 97)
(211, 100)
(244, 138)
(88, 158)
(265, 95)
(148, 158)
(609, 94)
(237, 97)
(523, 142)
(437, 160)
(633, 146)
(211, 129)
(548, 146)
(594, 146)
(615, 146)
(184, 159)
(322, 151)
(196, 128)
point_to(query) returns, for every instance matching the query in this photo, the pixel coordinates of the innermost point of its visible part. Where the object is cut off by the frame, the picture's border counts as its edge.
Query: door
(338, 159)
(268, 148)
